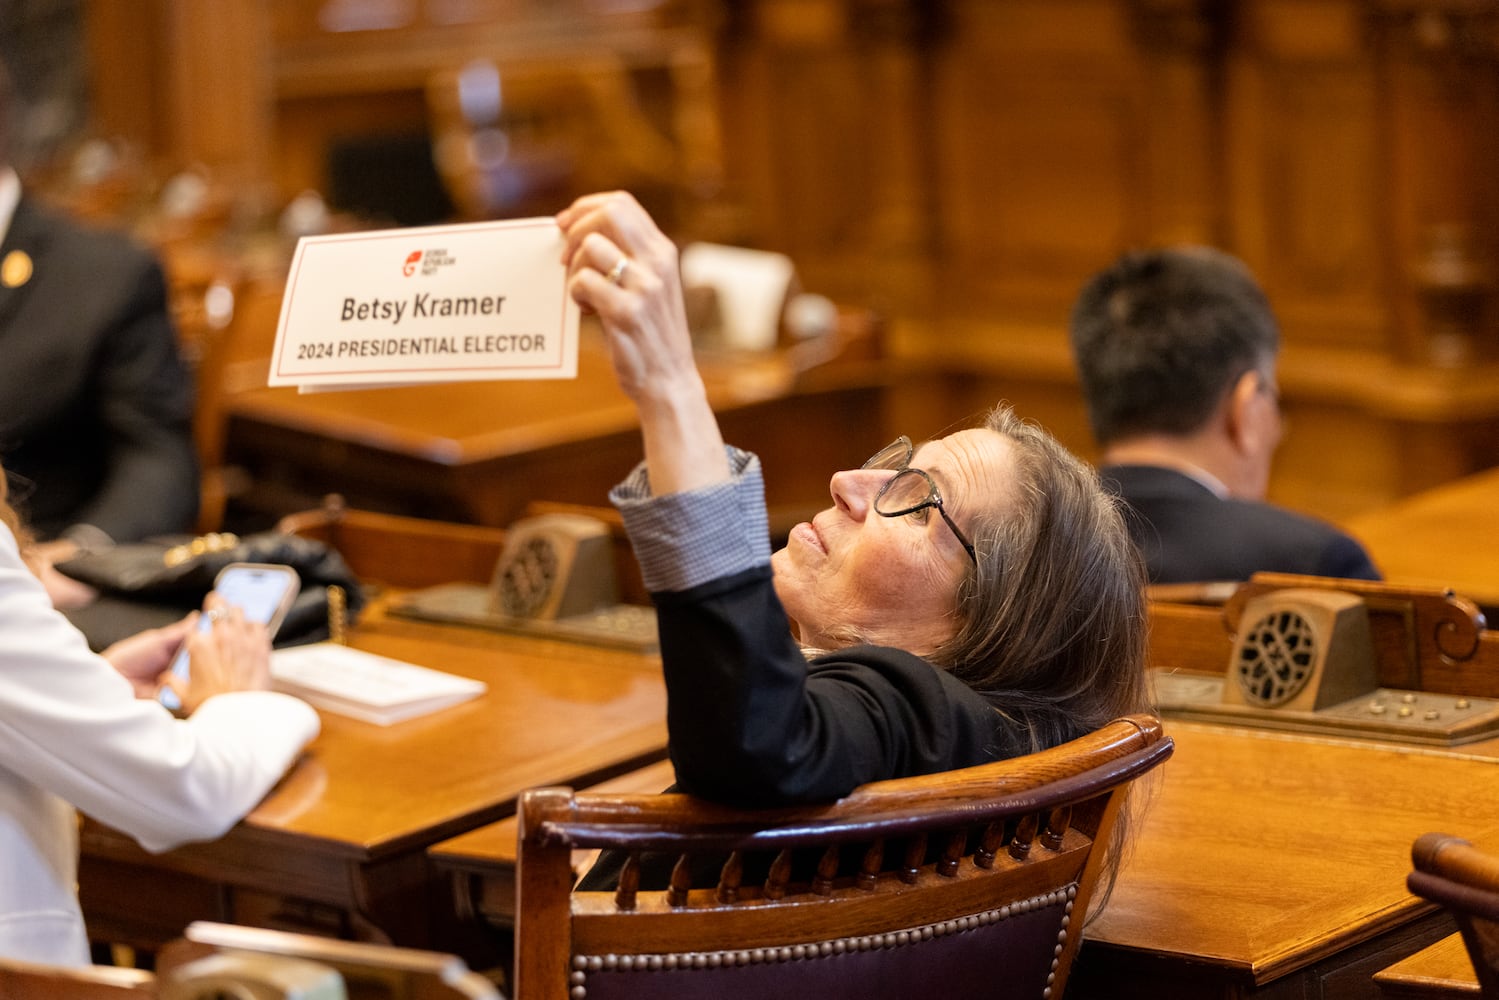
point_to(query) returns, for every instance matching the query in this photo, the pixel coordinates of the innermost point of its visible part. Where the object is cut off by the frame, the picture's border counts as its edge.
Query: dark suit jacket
(1189, 534)
(95, 404)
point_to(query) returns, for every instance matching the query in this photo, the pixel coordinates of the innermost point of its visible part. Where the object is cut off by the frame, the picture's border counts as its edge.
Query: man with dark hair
(95, 403)
(1176, 353)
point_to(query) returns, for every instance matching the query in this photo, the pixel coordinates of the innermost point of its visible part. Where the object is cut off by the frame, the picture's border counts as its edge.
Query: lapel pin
(15, 271)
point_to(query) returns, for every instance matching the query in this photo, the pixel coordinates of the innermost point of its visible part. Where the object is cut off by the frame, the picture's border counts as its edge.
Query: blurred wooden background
(960, 166)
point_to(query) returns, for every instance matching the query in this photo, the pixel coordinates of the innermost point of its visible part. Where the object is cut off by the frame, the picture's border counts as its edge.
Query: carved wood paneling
(827, 138)
(1306, 174)
(1180, 46)
(1443, 64)
(963, 165)
(1038, 109)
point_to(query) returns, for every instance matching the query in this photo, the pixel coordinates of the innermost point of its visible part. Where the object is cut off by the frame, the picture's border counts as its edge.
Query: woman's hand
(233, 655)
(142, 658)
(66, 592)
(623, 268)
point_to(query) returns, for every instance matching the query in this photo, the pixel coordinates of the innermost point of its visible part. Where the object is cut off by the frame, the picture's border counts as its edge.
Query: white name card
(472, 302)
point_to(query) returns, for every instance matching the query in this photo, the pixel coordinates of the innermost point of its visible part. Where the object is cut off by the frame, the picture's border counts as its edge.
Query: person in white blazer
(80, 730)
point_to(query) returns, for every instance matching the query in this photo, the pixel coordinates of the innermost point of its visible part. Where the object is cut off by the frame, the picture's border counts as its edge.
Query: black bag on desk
(149, 584)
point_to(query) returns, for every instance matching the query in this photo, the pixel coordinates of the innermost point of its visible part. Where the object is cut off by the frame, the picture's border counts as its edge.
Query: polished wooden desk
(1273, 865)
(478, 452)
(482, 862)
(339, 846)
(1441, 971)
(1444, 537)
(1266, 864)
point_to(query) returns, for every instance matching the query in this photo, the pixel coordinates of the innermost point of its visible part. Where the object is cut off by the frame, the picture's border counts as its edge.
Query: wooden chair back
(369, 971)
(1453, 873)
(33, 981)
(399, 551)
(412, 552)
(941, 885)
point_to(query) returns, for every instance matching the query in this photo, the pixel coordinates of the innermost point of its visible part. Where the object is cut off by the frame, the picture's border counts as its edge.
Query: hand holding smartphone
(262, 591)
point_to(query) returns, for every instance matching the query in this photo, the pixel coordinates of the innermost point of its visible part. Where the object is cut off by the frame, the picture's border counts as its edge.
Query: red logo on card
(411, 261)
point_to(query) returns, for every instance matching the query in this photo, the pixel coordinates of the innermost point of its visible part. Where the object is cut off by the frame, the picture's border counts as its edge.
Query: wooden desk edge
(1409, 914)
(1443, 969)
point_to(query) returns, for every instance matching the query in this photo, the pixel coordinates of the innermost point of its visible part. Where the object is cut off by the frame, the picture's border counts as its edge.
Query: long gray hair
(1051, 622)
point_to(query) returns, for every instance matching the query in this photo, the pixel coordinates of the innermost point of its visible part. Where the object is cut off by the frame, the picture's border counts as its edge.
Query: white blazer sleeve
(71, 724)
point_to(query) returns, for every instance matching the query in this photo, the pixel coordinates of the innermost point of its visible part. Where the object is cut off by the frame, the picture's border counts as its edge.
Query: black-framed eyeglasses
(910, 490)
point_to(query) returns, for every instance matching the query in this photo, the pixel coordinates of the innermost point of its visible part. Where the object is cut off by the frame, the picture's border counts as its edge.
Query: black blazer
(95, 404)
(753, 723)
(1189, 534)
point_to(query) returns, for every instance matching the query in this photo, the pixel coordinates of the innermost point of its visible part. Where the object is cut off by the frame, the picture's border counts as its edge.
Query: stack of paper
(365, 686)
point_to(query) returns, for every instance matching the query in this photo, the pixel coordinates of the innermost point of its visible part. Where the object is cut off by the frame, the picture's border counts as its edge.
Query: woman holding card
(84, 730)
(963, 599)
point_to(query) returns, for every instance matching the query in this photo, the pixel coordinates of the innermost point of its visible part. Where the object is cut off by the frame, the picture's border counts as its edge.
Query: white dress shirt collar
(10, 197)
(1206, 478)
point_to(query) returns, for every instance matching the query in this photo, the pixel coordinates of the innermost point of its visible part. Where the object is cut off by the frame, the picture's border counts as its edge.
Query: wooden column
(1442, 61)
(189, 81)
(1181, 53)
(1306, 169)
(826, 127)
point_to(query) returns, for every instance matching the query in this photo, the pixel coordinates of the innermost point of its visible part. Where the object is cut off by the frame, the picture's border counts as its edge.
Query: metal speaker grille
(527, 581)
(1276, 659)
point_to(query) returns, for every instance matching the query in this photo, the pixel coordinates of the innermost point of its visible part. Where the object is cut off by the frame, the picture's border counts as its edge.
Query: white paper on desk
(486, 300)
(365, 686)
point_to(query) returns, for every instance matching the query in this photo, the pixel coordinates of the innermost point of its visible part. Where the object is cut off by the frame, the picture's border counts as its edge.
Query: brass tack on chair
(338, 615)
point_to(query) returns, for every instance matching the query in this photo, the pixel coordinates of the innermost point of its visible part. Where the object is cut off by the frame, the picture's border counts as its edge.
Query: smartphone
(264, 592)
